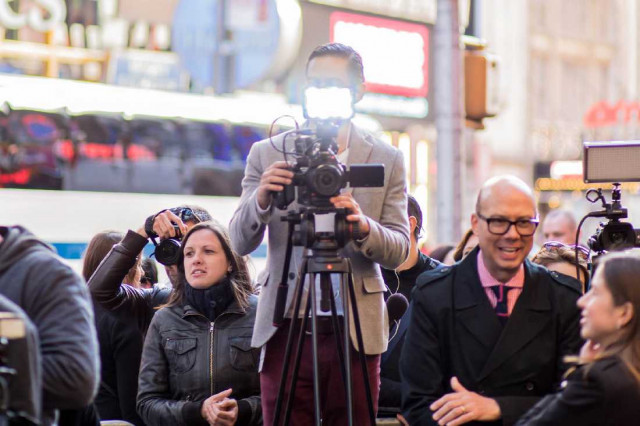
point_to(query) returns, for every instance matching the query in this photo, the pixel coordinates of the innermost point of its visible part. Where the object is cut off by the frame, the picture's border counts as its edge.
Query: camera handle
(612, 210)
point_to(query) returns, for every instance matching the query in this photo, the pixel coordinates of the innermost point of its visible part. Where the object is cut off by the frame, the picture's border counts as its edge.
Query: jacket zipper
(211, 358)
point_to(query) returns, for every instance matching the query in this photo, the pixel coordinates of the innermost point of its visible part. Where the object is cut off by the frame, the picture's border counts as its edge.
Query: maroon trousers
(332, 390)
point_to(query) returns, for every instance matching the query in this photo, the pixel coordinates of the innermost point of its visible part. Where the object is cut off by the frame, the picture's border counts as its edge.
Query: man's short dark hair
(413, 209)
(341, 51)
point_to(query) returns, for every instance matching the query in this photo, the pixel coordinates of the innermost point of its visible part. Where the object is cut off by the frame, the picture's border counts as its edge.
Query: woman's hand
(219, 410)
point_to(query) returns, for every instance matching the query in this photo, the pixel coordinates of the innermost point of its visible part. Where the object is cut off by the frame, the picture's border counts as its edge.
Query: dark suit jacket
(606, 395)
(454, 331)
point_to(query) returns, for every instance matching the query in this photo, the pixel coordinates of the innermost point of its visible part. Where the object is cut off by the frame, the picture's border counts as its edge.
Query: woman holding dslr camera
(604, 388)
(198, 366)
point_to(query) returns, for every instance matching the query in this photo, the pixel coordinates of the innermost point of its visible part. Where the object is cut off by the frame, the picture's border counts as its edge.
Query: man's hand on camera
(346, 201)
(163, 226)
(272, 180)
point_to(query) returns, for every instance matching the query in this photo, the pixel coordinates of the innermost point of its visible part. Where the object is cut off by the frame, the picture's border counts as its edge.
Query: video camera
(318, 174)
(611, 162)
(614, 234)
(167, 250)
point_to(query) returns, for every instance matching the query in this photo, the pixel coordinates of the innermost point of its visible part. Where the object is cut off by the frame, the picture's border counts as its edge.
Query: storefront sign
(42, 15)
(395, 54)
(603, 114)
(414, 10)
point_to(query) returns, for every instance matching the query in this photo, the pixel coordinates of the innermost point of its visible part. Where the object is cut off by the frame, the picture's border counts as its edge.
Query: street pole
(449, 104)
(223, 72)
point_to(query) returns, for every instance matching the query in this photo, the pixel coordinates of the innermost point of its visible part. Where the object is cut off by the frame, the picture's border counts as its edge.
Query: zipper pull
(211, 328)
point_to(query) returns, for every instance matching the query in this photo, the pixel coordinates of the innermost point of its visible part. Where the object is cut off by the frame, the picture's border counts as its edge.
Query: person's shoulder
(277, 140)
(433, 277)
(253, 301)
(613, 376)
(562, 282)
(167, 314)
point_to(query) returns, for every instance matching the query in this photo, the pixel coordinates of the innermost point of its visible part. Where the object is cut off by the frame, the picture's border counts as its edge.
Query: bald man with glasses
(487, 336)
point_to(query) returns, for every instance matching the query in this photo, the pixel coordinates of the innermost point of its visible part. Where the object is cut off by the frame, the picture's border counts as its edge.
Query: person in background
(106, 283)
(443, 254)
(120, 340)
(150, 276)
(604, 388)
(401, 280)
(559, 257)
(468, 242)
(198, 367)
(487, 335)
(560, 225)
(57, 302)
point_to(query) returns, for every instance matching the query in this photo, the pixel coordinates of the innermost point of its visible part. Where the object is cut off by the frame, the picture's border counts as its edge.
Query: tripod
(320, 261)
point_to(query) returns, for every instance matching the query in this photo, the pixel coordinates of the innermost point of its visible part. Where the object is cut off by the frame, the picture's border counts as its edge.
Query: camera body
(167, 250)
(614, 234)
(318, 175)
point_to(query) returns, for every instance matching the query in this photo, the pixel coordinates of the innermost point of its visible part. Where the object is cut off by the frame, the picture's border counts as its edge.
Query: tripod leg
(296, 365)
(347, 350)
(361, 354)
(338, 336)
(314, 342)
(287, 354)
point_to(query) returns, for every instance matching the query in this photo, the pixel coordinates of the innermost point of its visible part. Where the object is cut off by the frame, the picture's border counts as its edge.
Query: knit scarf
(211, 301)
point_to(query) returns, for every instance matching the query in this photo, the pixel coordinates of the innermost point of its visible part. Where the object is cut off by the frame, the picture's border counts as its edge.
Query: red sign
(395, 54)
(602, 114)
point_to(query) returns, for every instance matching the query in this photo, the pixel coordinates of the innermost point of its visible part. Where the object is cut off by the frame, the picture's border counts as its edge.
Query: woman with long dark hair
(604, 389)
(120, 340)
(198, 366)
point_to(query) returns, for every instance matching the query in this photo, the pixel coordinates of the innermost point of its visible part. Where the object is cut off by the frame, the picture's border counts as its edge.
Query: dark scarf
(211, 301)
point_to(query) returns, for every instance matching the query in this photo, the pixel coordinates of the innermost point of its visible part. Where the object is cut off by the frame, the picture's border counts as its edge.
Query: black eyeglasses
(583, 252)
(500, 226)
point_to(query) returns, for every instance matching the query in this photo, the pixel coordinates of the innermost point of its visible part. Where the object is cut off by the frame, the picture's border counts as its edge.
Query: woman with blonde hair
(604, 388)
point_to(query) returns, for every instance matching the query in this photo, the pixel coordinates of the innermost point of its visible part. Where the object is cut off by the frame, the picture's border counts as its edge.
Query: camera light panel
(325, 103)
(611, 161)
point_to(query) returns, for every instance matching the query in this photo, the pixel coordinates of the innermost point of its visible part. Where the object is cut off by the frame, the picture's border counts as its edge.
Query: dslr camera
(167, 250)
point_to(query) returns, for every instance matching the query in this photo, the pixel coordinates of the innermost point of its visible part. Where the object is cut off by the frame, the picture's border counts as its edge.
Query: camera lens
(168, 252)
(325, 180)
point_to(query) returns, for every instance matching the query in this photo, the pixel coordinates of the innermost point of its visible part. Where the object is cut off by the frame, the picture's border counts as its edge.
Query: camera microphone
(397, 305)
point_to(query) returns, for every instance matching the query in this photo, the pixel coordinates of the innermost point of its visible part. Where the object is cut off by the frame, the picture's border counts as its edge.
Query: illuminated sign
(575, 184)
(395, 54)
(602, 114)
(42, 16)
(565, 169)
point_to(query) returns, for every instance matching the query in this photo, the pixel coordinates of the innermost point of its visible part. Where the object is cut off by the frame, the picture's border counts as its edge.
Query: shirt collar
(488, 280)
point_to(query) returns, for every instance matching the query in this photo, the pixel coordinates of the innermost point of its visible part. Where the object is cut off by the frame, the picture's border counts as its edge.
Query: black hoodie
(56, 300)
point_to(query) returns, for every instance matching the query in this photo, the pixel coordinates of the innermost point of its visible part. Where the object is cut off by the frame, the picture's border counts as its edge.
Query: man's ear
(474, 223)
(413, 223)
(358, 93)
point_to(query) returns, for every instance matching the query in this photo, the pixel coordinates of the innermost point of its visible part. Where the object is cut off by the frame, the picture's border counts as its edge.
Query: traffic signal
(481, 82)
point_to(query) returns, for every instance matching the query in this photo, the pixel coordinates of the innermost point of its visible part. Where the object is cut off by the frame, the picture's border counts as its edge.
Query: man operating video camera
(383, 238)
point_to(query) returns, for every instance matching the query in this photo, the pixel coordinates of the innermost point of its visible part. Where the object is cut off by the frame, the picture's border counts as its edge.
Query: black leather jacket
(187, 358)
